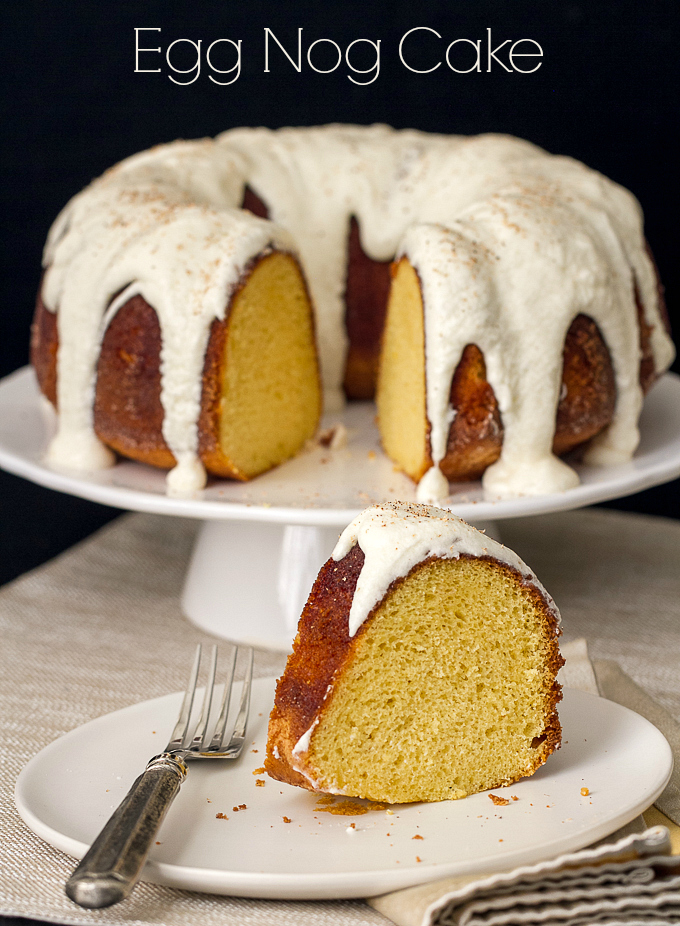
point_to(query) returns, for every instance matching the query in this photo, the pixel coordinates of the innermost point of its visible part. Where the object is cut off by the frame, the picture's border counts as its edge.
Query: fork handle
(114, 861)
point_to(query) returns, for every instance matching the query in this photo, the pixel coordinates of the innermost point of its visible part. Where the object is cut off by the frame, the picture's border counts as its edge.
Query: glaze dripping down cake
(517, 305)
(424, 666)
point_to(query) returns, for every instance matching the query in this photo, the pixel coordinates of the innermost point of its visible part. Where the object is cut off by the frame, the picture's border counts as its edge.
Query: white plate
(66, 793)
(320, 487)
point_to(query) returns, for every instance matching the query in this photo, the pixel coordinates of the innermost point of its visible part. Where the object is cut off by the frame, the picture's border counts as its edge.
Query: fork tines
(198, 744)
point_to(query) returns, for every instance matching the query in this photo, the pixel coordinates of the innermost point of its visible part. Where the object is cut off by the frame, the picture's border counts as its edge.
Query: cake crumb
(372, 455)
(584, 792)
(222, 816)
(254, 750)
(377, 805)
(286, 819)
(326, 799)
(258, 771)
(418, 858)
(240, 807)
(498, 801)
(335, 438)
(345, 809)
(259, 782)
(417, 836)
(514, 798)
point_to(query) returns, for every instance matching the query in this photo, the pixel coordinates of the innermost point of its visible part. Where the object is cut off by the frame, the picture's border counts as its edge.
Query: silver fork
(114, 861)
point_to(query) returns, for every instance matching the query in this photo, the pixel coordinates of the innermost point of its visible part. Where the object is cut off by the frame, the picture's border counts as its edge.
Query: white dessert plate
(323, 487)
(285, 844)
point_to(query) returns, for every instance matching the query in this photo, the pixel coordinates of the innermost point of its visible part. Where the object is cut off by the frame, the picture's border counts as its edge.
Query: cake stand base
(249, 581)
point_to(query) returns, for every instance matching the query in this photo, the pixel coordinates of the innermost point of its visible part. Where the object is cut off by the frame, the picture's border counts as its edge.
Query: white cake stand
(261, 543)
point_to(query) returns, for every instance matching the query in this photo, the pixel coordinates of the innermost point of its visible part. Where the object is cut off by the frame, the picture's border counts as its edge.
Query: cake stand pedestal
(250, 581)
(262, 543)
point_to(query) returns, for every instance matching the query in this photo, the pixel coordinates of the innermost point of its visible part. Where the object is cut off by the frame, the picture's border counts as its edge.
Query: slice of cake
(424, 666)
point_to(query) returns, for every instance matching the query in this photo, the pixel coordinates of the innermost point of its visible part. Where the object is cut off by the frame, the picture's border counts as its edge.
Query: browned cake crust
(585, 408)
(253, 203)
(44, 346)
(366, 292)
(128, 415)
(476, 432)
(323, 647)
(209, 419)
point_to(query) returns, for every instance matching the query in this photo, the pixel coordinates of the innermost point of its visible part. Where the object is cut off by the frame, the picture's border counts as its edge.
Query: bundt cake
(513, 293)
(424, 666)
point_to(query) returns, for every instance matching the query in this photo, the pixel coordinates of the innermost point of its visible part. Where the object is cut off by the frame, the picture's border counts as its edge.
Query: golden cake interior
(400, 394)
(271, 397)
(451, 689)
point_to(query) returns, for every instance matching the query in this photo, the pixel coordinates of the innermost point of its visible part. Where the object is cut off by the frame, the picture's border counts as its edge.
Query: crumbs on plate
(498, 801)
(345, 809)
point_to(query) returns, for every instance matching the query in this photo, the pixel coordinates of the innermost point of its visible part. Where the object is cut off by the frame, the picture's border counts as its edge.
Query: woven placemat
(78, 636)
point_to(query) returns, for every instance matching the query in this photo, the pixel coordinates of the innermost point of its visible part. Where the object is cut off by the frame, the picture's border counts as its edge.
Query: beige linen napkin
(631, 878)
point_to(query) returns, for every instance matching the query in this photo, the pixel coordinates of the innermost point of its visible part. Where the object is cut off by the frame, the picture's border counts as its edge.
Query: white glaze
(396, 536)
(510, 244)
(302, 744)
(433, 486)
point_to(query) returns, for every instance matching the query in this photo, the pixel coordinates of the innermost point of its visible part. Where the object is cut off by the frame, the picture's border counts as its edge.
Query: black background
(606, 93)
